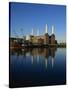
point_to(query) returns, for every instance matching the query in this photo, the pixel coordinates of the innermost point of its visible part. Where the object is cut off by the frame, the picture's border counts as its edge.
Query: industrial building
(45, 39)
(35, 40)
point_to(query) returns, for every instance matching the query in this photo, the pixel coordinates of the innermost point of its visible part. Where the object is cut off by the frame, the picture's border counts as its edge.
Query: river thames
(37, 67)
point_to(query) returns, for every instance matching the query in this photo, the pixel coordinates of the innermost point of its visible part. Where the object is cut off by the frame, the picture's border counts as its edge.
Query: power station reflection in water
(38, 55)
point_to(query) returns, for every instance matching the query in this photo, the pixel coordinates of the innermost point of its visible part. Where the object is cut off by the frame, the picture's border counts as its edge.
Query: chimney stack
(52, 29)
(32, 32)
(46, 29)
(38, 32)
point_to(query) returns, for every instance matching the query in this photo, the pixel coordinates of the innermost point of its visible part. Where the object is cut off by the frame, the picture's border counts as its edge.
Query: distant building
(46, 38)
(52, 39)
(43, 39)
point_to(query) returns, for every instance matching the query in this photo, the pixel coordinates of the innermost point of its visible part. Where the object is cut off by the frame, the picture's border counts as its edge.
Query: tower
(32, 33)
(46, 28)
(38, 32)
(53, 29)
(53, 36)
(32, 36)
(46, 36)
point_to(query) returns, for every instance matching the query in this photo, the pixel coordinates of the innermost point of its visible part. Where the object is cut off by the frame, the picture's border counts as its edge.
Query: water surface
(38, 66)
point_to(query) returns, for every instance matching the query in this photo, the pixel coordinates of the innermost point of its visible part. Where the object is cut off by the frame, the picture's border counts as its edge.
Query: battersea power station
(45, 39)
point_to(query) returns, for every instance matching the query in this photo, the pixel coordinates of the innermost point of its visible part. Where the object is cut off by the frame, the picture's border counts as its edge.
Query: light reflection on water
(38, 66)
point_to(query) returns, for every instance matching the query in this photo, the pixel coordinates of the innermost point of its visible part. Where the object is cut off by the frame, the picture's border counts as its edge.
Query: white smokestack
(52, 29)
(27, 37)
(32, 32)
(38, 32)
(46, 29)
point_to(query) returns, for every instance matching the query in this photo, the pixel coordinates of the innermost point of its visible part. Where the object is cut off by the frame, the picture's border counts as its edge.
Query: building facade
(43, 39)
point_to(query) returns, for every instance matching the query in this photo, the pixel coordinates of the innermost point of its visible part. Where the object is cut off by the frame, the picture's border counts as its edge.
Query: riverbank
(37, 46)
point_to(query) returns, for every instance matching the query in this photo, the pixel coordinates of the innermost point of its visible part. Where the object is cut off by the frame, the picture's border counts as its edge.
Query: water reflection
(37, 55)
(37, 66)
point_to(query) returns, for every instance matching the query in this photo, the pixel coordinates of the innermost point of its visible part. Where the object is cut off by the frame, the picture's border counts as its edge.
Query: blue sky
(24, 17)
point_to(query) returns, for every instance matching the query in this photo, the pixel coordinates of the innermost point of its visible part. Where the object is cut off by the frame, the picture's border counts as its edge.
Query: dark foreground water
(38, 66)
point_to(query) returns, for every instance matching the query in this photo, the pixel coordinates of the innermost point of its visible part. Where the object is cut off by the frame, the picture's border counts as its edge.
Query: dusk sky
(24, 17)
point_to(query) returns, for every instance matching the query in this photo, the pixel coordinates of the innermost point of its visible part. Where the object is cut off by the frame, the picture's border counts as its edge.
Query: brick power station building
(43, 39)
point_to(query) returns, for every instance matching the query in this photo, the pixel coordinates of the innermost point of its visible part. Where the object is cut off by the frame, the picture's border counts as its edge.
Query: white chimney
(27, 37)
(32, 32)
(46, 29)
(38, 32)
(52, 29)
